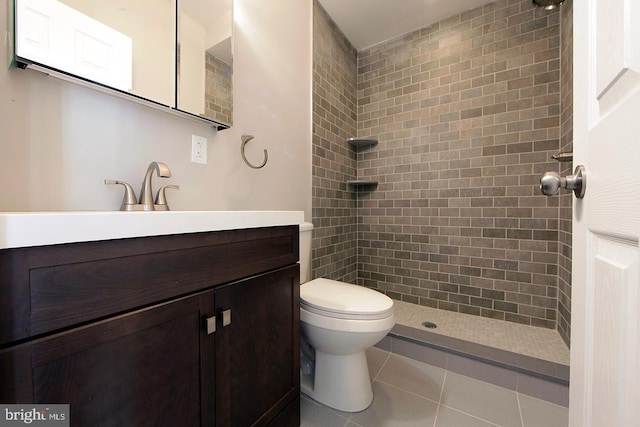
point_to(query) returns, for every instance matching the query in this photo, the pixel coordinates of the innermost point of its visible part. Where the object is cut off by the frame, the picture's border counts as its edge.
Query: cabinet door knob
(226, 317)
(211, 325)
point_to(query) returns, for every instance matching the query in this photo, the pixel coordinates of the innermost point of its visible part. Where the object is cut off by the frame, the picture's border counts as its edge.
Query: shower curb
(534, 377)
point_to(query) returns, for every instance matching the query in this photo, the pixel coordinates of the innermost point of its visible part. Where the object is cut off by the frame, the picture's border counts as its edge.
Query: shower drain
(429, 325)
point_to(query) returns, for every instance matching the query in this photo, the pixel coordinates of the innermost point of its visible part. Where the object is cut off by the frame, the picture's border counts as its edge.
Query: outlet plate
(199, 149)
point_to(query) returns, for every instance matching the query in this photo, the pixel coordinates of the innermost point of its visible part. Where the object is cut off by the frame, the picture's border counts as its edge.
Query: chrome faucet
(146, 202)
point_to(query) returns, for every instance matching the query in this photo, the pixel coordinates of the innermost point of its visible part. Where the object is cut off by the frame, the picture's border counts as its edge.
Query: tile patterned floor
(411, 393)
(537, 342)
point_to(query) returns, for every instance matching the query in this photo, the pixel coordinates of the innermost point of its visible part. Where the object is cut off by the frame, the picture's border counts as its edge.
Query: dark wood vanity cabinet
(88, 336)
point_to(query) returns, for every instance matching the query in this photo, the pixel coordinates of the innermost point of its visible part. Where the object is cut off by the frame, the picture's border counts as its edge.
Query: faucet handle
(129, 200)
(161, 198)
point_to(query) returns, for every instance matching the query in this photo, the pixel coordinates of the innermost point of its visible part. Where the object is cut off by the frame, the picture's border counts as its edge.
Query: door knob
(551, 182)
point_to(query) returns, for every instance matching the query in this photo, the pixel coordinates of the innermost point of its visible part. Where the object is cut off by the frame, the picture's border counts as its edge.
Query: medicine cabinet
(171, 54)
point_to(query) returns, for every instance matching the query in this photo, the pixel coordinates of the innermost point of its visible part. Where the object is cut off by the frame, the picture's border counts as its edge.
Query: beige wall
(59, 140)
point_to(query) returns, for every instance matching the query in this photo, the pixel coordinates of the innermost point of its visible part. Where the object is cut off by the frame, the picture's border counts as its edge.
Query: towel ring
(245, 139)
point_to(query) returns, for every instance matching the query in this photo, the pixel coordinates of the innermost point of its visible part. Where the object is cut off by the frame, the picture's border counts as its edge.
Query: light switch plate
(199, 149)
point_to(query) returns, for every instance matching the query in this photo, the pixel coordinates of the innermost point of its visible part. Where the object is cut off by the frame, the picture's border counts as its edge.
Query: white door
(605, 323)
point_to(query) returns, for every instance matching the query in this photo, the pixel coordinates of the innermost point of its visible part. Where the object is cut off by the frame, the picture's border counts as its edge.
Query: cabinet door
(137, 369)
(258, 354)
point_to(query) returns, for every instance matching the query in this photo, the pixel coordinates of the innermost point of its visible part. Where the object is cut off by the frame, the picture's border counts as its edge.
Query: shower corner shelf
(362, 142)
(362, 183)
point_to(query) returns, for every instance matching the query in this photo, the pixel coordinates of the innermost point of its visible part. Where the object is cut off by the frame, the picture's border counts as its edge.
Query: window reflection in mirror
(128, 45)
(204, 59)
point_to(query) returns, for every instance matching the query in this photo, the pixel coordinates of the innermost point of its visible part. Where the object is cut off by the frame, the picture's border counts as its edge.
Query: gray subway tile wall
(566, 145)
(468, 113)
(218, 90)
(334, 207)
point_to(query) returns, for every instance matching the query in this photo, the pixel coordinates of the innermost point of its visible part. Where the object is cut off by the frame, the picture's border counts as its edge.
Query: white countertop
(23, 229)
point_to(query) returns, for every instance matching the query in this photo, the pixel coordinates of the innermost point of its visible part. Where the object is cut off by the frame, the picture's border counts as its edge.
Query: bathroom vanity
(199, 328)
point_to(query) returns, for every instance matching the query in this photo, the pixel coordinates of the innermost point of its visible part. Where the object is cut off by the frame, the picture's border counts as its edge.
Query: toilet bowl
(339, 321)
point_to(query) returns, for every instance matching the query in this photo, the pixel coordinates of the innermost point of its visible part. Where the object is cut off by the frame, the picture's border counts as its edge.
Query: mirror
(131, 46)
(204, 58)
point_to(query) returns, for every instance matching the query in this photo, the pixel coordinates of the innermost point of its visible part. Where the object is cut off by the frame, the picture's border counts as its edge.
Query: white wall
(59, 140)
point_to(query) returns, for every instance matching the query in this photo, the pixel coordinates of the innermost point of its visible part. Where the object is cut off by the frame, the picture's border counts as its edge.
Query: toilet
(339, 321)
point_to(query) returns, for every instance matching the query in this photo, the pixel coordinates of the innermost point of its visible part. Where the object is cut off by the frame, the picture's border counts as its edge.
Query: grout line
(381, 366)
(444, 382)
(519, 408)
(407, 391)
(545, 402)
(325, 408)
(473, 416)
(349, 421)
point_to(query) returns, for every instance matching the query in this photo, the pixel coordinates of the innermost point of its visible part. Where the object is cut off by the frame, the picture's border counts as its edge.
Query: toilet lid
(342, 300)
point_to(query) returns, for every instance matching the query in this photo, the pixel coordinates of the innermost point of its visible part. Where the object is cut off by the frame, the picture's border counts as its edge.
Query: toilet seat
(330, 298)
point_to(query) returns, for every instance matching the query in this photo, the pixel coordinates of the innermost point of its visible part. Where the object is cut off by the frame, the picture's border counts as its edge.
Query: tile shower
(468, 113)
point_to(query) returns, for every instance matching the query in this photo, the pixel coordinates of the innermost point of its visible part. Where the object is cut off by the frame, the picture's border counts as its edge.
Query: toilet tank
(306, 232)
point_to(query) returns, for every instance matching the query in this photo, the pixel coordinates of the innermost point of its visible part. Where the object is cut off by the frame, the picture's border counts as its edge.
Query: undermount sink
(18, 229)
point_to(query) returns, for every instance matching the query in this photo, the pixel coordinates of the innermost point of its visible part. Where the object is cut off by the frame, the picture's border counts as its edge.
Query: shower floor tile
(540, 343)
